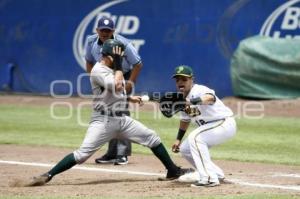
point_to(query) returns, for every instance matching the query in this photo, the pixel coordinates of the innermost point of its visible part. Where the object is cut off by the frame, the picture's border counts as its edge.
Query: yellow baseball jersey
(205, 113)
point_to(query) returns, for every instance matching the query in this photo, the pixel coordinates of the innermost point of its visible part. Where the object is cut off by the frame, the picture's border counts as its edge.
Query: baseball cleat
(225, 181)
(105, 160)
(40, 180)
(205, 184)
(190, 177)
(172, 175)
(121, 160)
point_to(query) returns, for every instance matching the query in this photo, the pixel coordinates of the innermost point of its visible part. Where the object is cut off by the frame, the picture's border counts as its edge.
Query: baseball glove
(171, 103)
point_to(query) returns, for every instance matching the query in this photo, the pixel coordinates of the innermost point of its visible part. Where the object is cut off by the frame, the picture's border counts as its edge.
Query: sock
(161, 153)
(65, 164)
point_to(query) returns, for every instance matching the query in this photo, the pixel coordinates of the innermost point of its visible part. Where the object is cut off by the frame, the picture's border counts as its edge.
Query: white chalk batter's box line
(236, 181)
(291, 175)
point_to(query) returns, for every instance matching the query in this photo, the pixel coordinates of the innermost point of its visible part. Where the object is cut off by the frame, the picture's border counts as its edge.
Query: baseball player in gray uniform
(118, 150)
(108, 120)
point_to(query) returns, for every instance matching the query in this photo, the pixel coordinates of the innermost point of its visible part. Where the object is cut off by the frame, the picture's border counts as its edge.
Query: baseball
(145, 98)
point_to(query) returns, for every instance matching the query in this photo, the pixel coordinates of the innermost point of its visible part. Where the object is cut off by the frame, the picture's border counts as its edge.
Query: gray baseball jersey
(103, 87)
(103, 126)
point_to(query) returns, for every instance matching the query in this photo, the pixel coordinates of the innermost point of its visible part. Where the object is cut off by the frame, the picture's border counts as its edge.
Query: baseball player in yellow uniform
(215, 126)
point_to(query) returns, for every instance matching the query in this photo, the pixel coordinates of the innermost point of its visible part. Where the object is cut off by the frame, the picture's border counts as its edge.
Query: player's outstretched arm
(135, 99)
(117, 66)
(207, 99)
(119, 87)
(139, 99)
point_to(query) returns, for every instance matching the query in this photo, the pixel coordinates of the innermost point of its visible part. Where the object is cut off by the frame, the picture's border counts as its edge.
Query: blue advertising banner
(42, 42)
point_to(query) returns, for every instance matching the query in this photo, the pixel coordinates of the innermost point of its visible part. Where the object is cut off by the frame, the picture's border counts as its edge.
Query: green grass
(271, 140)
(254, 196)
(34, 126)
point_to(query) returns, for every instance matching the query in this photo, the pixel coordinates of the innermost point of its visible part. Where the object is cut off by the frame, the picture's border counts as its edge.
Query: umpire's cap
(106, 23)
(107, 48)
(183, 70)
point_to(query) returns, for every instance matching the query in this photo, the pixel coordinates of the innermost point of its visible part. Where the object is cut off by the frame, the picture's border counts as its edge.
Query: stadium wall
(42, 42)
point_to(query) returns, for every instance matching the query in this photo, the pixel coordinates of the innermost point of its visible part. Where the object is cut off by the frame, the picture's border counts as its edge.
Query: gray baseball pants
(104, 128)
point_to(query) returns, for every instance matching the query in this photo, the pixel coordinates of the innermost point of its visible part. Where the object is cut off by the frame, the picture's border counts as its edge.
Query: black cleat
(105, 159)
(174, 174)
(40, 180)
(122, 160)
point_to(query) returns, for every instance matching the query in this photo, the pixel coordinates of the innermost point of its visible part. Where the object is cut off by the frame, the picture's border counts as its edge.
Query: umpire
(118, 150)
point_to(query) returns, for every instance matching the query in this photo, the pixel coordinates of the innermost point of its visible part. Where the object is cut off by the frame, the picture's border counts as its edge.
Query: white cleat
(189, 177)
(205, 184)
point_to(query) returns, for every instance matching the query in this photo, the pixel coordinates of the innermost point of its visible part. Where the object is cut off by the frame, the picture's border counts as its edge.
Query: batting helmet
(107, 48)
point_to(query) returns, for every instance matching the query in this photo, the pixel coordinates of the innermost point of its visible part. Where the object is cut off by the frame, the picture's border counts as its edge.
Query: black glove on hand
(118, 52)
(117, 63)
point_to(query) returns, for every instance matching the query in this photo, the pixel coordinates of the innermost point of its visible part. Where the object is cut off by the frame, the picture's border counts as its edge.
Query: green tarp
(266, 68)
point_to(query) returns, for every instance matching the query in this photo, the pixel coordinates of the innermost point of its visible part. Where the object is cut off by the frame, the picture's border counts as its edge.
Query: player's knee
(154, 141)
(81, 157)
(193, 140)
(184, 151)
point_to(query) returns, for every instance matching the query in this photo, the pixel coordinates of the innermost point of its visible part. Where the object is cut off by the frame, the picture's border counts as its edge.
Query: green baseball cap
(183, 70)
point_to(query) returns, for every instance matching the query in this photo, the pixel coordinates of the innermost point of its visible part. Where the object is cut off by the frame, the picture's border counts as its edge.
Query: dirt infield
(119, 181)
(122, 184)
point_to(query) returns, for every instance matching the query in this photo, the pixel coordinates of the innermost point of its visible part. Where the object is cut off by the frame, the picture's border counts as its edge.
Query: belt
(202, 122)
(214, 121)
(113, 113)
